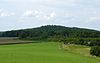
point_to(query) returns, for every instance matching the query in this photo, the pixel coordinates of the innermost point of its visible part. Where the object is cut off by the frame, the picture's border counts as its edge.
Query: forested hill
(52, 32)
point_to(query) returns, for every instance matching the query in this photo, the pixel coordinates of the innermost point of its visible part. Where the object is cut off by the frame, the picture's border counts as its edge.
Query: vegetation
(44, 52)
(52, 32)
(95, 50)
(68, 35)
(82, 41)
(78, 49)
(93, 42)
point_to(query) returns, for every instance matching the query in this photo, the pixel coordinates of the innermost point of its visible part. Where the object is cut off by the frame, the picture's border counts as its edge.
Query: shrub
(95, 50)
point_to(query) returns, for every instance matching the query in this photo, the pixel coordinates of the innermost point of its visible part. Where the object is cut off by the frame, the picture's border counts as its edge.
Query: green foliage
(52, 32)
(1, 34)
(82, 41)
(95, 50)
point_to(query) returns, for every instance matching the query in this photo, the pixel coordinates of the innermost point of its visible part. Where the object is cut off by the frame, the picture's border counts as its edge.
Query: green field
(49, 52)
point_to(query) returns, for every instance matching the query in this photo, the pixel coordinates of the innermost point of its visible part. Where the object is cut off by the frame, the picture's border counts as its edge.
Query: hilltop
(52, 32)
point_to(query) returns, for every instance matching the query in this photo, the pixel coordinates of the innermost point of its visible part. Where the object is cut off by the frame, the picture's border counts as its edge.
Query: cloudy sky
(19, 14)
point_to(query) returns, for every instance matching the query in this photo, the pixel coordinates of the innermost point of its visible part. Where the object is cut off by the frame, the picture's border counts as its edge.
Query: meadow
(44, 52)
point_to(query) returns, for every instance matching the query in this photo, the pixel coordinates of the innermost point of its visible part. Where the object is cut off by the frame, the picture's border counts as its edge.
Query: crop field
(45, 52)
(12, 40)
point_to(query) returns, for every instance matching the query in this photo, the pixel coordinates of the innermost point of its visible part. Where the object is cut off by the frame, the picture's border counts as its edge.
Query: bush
(95, 50)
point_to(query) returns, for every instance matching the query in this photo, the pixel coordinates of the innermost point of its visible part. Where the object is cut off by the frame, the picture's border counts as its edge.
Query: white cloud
(31, 13)
(28, 13)
(39, 14)
(5, 13)
(0, 10)
(51, 16)
(58, 1)
(95, 18)
(36, 12)
(15, 0)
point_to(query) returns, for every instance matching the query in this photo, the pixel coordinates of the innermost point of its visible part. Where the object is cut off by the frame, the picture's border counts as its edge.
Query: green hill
(52, 32)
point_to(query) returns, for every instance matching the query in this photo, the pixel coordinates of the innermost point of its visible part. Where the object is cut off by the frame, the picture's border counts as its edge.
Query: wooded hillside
(52, 32)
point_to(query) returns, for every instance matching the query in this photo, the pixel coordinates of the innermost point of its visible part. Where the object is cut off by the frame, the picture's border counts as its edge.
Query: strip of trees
(82, 41)
(94, 43)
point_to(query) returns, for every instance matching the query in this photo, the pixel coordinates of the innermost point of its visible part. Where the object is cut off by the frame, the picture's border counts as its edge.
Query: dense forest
(52, 32)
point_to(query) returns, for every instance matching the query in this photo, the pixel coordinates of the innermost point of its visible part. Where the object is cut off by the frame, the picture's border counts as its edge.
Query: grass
(83, 50)
(40, 53)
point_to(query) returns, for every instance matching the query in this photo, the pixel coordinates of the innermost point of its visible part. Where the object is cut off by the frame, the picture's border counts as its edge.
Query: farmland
(12, 40)
(44, 52)
(49, 31)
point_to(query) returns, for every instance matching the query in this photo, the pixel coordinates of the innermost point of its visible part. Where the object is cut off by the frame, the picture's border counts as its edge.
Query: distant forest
(52, 32)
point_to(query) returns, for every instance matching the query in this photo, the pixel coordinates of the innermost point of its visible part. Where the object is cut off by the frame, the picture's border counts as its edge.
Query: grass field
(40, 53)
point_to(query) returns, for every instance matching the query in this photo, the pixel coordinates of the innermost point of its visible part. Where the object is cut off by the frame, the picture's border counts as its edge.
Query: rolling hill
(51, 32)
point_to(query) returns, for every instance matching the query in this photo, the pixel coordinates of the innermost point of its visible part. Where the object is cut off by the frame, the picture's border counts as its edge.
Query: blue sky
(20, 14)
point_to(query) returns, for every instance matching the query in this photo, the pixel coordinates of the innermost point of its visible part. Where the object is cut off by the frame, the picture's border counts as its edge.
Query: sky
(21, 14)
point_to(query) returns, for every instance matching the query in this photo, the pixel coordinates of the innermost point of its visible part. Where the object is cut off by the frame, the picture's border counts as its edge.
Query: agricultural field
(12, 40)
(43, 52)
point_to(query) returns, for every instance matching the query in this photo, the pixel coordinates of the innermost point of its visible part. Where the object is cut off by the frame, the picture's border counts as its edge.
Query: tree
(95, 50)
(53, 32)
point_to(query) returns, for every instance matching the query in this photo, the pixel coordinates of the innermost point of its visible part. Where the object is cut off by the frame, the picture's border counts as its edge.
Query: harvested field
(12, 40)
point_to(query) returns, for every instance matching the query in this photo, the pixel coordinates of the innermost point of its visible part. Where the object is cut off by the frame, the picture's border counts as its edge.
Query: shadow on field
(11, 41)
(21, 42)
